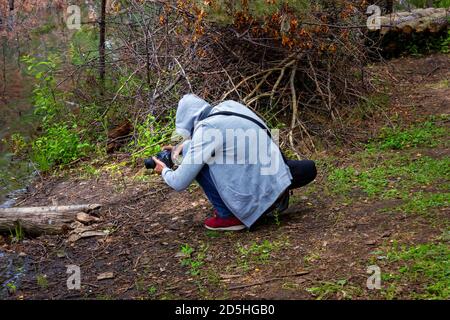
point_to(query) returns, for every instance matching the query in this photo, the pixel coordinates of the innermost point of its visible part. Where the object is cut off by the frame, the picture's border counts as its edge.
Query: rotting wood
(43, 220)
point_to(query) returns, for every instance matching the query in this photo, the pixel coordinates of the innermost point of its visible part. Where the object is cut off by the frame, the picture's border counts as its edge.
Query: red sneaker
(224, 224)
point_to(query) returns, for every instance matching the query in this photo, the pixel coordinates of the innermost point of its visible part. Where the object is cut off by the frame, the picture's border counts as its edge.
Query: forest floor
(383, 203)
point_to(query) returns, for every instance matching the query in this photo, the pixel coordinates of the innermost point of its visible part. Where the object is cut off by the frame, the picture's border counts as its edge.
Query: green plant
(87, 171)
(219, 12)
(83, 46)
(47, 100)
(59, 145)
(44, 29)
(442, 3)
(150, 135)
(312, 257)
(422, 135)
(187, 250)
(193, 262)
(340, 180)
(42, 281)
(213, 234)
(18, 143)
(391, 178)
(151, 290)
(60, 142)
(276, 216)
(414, 49)
(371, 105)
(445, 44)
(339, 288)
(427, 265)
(12, 288)
(17, 235)
(258, 253)
(389, 174)
(422, 202)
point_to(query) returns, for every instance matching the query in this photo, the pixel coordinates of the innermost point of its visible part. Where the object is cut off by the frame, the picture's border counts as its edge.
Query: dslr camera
(165, 156)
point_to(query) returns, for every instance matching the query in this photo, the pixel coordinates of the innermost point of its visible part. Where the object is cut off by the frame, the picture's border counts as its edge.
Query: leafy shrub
(83, 46)
(445, 44)
(442, 3)
(18, 144)
(58, 146)
(47, 100)
(150, 134)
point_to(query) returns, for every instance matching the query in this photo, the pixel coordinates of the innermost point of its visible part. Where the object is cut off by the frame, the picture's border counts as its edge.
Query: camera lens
(149, 163)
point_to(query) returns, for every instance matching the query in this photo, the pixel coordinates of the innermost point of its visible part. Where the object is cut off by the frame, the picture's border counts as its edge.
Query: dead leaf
(80, 233)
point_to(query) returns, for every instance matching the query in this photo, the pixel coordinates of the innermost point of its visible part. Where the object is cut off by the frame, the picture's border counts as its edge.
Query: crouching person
(231, 154)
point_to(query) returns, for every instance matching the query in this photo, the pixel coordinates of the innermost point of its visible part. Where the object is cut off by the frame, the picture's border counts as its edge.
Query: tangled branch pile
(299, 64)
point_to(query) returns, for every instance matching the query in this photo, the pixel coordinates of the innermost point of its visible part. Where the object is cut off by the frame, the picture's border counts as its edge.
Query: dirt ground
(319, 240)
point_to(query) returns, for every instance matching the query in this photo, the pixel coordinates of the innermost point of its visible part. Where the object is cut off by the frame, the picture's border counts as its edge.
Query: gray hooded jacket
(245, 164)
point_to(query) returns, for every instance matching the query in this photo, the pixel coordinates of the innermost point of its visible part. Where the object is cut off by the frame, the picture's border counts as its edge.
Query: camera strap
(259, 124)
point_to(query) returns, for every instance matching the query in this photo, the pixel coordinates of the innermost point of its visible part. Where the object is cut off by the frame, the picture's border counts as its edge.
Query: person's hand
(159, 165)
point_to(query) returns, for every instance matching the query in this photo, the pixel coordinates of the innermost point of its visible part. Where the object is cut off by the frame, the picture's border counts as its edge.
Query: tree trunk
(10, 22)
(101, 48)
(4, 67)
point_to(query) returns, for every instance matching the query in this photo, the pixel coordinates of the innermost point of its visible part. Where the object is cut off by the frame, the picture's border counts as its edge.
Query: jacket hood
(189, 112)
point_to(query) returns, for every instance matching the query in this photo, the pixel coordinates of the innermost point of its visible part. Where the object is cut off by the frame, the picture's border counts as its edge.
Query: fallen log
(77, 207)
(43, 220)
(418, 20)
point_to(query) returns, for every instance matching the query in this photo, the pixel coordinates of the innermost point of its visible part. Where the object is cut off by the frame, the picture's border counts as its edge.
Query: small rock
(181, 255)
(371, 242)
(386, 234)
(105, 275)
